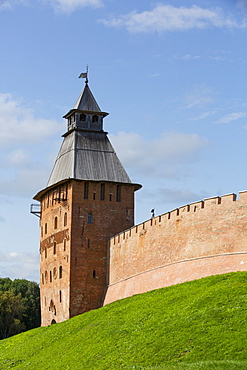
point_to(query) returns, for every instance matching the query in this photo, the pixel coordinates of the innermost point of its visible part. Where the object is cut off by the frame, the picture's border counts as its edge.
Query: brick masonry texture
(73, 251)
(197, 240)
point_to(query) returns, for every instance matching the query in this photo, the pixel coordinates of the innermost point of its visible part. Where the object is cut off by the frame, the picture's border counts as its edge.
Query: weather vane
(85, 75)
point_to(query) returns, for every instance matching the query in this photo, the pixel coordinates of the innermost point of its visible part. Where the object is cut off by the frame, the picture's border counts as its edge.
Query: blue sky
(172, 75)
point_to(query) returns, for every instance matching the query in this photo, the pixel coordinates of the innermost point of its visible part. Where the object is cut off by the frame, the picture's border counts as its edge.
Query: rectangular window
(102, 192)
(86, 190)
(89, 218)
(118, 194)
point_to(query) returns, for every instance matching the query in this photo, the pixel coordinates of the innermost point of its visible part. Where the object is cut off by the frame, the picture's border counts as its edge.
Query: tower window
(95, 119)
(89, 218)
(64, 244)
(102, 192)
(45, 252)
(94, 195)
(65, 219)
(55, 223)
(110, 197)
(50, 276)
(94, 274)
(60, 296)
(118, 194)
(41, 231)
(88, 243)
(43, 280)
(54, 248)
(83, 117)
(86, 190)
(60, 272)
(45, 228)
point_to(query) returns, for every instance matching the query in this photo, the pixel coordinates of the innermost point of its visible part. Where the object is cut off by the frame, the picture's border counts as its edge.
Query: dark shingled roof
(86, 154)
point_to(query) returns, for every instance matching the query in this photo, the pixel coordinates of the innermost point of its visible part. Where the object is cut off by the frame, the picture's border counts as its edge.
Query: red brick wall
(197, 240)
(81, 247)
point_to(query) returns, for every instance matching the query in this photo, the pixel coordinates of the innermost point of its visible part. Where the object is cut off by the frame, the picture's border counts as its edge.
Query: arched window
(65, 219)
(89, 218)
(60, 272)
(46, 276)
(54, 248)
(55, 223)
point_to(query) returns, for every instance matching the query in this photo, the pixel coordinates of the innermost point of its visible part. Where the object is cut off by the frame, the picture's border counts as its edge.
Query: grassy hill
(195, 325)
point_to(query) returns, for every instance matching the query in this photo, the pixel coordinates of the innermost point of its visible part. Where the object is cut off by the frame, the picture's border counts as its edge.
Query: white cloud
(68, 6)
(231, 117)
(9, 4)
(23, 265)
(19, 125)
(169, 18)
(18, 157)
(159, 157)
(26, 182)
(200, 97)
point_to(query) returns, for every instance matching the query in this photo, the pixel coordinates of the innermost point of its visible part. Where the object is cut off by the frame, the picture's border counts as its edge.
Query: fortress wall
(201, 239)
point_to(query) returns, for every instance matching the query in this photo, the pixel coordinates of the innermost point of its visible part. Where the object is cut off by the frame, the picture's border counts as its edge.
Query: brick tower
(88, 199)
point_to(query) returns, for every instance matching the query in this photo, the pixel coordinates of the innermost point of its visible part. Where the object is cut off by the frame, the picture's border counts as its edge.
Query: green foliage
(19, 306)
(195, 325)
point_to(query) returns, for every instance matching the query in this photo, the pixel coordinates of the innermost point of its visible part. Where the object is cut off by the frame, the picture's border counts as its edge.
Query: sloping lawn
(195, 325)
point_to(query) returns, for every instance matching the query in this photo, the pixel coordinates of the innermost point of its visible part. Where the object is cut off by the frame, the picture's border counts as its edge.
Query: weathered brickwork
(197, 240)
(77, 219)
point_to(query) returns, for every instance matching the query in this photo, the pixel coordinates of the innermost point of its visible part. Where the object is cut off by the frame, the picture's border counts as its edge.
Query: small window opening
(94, 274)
(60, 296)
(94, 195)
(64, 245)
(95, 119)
(65, 219)
(83, 117)
(41, 231)
(54, 248)
(43, 280)
(55, 223)
(60, 272)
(102, 192)
(88, 243)
(45, 228)
(89, 218)
(118, 194)
(86, 190)
(45, 252)
(50, 276)
(54, 273)
(110, 198)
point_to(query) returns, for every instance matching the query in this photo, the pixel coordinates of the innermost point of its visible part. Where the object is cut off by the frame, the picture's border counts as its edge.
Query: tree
(11, 310)
(19, 306)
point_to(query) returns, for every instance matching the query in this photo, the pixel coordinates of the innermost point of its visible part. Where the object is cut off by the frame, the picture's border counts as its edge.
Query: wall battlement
(204, 238)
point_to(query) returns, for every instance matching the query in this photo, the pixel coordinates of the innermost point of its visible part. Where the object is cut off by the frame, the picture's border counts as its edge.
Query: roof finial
(85, 75)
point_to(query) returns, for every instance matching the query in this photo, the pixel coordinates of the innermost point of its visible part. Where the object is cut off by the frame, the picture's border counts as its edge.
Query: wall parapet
(198, 231)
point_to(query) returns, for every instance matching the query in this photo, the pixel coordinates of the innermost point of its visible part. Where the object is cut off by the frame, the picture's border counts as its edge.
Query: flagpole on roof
(85, 75)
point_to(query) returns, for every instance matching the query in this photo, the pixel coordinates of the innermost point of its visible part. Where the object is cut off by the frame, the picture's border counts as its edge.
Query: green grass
(195, 325)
